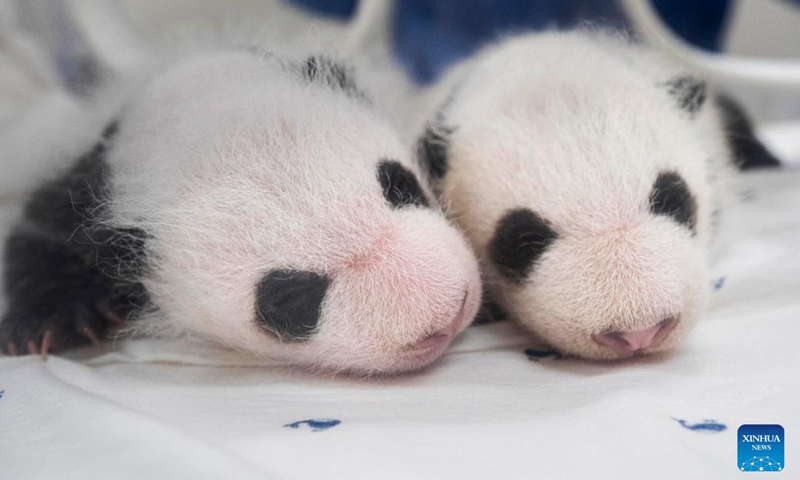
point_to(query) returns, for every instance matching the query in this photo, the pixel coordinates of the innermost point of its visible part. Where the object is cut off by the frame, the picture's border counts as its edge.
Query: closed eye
(400, 186)
(520, 239)
(671, 197)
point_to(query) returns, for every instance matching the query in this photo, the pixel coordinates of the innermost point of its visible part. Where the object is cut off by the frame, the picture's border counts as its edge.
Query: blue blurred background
(431, 34)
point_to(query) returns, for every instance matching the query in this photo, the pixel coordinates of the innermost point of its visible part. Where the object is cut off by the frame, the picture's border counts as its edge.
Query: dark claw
(47, 343)
(91, 335)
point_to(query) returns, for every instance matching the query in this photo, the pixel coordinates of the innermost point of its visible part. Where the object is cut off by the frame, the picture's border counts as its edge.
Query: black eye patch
(671, 197)
(520, 239)
(400, 186)
(288, 303)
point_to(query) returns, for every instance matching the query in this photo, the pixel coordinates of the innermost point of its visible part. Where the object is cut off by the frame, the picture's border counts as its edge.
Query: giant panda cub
(587, 173)
(254, 198)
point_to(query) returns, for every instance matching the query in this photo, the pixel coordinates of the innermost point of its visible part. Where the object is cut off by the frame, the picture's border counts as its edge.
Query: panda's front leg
(56, 299)
(68, 275)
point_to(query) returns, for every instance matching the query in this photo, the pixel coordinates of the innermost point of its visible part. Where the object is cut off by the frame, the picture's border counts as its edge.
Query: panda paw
(69, 323)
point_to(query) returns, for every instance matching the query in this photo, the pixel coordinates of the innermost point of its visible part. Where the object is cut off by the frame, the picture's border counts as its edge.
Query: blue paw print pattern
(706, 426)
(719, 283)
(535, 355)
(315, 424)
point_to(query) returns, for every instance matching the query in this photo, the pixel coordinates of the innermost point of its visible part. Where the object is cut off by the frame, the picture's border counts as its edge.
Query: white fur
(234, 166)
(575, 126)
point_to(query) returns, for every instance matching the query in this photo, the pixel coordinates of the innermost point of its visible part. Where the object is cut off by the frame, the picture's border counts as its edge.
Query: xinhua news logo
(761, 448)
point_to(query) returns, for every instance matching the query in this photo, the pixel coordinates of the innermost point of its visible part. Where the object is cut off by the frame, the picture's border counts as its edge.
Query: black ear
(288, 303)
(433, 146)
(432, 150)
(670, 196)
(748, 152)
(321, 69)
(400, 185)
(520, 239)
(689, 93)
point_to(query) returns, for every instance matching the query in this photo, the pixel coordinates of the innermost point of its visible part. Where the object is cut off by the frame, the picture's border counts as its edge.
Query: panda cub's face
(285, 219)
(588, 205)
(391, 287)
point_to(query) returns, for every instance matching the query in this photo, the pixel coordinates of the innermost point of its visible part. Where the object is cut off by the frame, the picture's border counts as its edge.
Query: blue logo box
(761, 448)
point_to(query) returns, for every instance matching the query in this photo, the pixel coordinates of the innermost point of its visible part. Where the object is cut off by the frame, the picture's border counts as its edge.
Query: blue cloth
(432, 34)
(700, 22)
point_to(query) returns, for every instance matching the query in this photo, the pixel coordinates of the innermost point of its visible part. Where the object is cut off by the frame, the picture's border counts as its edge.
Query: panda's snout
(443, 336)
(627, 343)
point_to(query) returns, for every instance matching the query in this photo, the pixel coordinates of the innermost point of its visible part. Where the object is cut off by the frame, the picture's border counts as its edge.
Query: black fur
(519, 241)
(671, 197)
(288, 303)
(400, 186)
(748, 152)
(490, 310)
(65, 272)
(319, 68)
(434, 144)
(432, 149)
(689, 93)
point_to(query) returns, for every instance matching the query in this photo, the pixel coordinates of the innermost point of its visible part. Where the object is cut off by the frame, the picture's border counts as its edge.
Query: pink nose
(626, 343)
(443, 336)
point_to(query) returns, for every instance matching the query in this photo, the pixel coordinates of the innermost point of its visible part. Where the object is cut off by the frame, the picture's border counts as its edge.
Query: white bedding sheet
(140, 409)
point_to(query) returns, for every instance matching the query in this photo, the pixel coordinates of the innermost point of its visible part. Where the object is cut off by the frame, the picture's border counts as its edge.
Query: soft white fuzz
(576, 126)
(234, 166)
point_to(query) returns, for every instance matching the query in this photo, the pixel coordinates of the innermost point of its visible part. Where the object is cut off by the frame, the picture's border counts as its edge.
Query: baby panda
(587, 172)
(254, 198)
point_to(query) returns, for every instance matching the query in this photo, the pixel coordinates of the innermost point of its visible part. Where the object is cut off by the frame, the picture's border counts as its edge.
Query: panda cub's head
(285, 219)
(582, 183)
